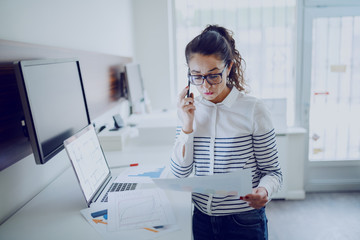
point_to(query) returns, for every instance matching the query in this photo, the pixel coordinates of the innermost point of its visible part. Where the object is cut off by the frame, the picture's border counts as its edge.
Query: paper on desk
(142, 174)
(139, 209)
(237, 183)
(100, 224)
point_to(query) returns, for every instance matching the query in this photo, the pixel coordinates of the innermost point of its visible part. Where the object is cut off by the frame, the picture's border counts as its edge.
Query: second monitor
(135, 87)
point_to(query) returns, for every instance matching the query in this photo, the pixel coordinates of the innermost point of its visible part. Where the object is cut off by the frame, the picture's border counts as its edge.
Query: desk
(55, 212)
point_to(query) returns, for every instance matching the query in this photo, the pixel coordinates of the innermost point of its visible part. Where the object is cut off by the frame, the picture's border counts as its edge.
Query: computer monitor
(135, 87)
(53, 101)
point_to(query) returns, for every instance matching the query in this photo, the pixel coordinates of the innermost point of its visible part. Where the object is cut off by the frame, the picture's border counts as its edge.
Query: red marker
(130, 165)
(321, 93)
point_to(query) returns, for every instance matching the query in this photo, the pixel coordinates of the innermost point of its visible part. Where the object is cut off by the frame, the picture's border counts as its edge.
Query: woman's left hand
(258, 198)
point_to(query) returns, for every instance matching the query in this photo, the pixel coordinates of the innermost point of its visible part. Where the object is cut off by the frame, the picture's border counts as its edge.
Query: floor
(328, 216)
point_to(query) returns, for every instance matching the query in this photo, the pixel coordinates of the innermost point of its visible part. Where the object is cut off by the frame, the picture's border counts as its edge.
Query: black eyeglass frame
(205, 77)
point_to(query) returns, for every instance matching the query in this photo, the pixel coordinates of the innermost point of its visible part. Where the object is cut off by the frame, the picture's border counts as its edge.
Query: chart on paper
(139, 209)
(156, 173)
(143, 173)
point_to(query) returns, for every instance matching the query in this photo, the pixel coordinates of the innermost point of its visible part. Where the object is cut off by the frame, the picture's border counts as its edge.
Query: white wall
(20, 182)
(98, 26)
(151, 38)
(129, 28)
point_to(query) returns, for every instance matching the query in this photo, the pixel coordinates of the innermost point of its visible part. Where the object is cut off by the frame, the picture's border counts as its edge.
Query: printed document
(139, 209)
(237, 183)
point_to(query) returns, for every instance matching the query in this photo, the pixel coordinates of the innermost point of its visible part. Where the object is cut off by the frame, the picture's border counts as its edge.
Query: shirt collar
(231, 97)
(228, 101)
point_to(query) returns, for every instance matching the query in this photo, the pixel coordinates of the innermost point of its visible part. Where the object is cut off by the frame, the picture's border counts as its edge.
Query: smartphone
(188, 92)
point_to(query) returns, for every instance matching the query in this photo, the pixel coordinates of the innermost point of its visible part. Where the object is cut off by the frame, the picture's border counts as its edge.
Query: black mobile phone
(188, 92)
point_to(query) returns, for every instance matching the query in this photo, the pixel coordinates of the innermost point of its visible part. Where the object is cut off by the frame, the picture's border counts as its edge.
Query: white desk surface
(55, 212)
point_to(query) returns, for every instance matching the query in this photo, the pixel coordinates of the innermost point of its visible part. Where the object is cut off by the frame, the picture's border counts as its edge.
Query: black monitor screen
(54, 103)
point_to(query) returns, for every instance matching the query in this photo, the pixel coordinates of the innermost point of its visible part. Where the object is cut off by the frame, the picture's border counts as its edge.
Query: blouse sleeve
(182, 166)
(265, 150)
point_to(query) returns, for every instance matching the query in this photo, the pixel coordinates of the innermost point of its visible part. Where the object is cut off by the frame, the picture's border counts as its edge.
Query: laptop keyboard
(118, 187)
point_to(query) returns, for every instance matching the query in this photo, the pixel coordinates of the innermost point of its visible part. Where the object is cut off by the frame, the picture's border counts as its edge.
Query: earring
(228, 80)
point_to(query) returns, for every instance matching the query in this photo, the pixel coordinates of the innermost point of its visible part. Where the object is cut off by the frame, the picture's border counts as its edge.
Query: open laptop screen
(88, 160)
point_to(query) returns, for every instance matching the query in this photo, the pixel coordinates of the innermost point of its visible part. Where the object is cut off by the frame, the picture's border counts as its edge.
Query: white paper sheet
(139, 209)
(100, 224)
(237, 183)
(142, 174)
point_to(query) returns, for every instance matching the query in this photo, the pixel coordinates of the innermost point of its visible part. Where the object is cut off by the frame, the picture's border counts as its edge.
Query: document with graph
(139, 209)
(143, 173)
(238, 183)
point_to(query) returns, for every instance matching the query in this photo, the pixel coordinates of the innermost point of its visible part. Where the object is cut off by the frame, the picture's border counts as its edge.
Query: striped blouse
(234, 134)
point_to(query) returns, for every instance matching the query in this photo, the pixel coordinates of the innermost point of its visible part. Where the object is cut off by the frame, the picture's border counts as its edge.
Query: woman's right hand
(186, 110)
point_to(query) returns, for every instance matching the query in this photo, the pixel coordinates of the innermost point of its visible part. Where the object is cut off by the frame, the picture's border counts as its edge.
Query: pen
(127, 165)
(153, 230)
(157, 227)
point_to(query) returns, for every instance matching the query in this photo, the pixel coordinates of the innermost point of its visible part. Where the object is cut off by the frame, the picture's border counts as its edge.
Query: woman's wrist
(263, 189)
(187, 130)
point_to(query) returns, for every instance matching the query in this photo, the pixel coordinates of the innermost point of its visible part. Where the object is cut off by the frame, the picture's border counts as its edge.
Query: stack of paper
(146, 214)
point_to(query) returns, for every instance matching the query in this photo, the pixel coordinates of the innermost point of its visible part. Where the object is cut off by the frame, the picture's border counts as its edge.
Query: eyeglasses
(212, 79)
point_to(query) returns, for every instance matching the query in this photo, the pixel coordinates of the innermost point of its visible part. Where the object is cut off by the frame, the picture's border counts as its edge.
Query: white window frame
(324, 175)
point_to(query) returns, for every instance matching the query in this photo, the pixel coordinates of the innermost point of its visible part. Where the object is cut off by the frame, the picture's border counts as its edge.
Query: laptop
(91, 168)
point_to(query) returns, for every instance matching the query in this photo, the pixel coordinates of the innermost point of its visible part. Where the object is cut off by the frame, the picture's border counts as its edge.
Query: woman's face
(204, 65)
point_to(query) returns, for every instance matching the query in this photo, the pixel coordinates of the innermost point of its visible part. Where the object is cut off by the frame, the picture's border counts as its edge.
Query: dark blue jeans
(244, 226)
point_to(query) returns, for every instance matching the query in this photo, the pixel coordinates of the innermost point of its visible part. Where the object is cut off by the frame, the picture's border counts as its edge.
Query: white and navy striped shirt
(234, 134)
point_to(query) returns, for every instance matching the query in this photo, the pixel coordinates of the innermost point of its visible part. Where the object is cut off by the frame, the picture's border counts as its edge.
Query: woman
(224, 130)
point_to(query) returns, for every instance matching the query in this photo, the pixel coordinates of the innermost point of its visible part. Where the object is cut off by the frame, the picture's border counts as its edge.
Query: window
(335, 96)
(264, 32)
